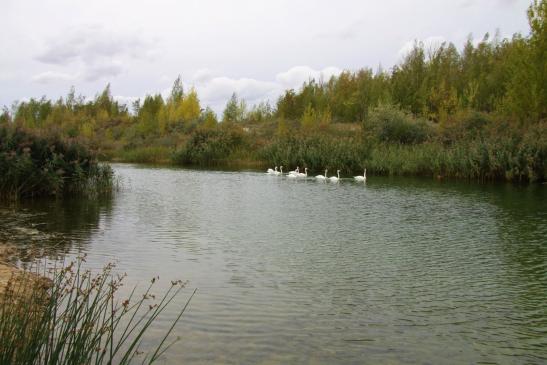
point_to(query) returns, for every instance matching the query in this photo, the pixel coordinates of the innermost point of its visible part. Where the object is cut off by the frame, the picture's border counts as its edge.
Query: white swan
(277, 173)
(295, 172)
(271, 172)
(335, 178)
(361, 178)
(305, 174)
(322, 177)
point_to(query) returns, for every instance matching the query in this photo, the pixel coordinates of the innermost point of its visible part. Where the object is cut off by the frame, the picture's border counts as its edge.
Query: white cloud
(53, 77)
(296, 76)
(216, 90)
(202, 76)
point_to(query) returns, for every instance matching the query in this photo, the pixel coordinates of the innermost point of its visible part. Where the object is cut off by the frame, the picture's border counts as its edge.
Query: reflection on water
(54, 226)
(394, 271)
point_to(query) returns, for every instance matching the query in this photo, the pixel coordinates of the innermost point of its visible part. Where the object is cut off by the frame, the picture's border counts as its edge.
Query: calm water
(391, 271)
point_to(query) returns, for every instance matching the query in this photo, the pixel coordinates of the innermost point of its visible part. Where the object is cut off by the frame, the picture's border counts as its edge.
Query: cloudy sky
(255, 48)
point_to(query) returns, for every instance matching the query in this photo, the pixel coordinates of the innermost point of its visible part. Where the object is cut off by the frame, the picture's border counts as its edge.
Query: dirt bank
(7, 268)
(9, 271)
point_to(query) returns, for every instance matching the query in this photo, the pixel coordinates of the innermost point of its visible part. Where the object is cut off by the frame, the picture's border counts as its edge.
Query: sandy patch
(9, 271)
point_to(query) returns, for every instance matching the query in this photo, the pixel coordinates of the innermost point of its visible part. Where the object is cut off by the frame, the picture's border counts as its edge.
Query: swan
(305, 174)
(295, 172)
(277, 173)
(271, 172)
(322, 177)
(361, 178)
(335, 178)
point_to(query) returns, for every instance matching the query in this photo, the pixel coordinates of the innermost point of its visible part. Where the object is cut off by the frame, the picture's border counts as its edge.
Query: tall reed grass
(33, 165)
(148, 154)
(316, 152)
(77, 318)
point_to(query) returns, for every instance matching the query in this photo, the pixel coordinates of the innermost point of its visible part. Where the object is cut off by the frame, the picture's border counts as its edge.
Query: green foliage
(235, 110)
(316, 152)
(391, 124)
(146, 154)
(33, 165)
(78, 318)
(436, 100)
(508, 77)
(510, 156)
(209, 119)
(210, 146)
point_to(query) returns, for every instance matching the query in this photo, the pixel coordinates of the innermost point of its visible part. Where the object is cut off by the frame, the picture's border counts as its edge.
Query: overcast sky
(255, 48)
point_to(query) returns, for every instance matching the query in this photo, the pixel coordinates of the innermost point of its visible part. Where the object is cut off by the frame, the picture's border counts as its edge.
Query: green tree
(235, 110)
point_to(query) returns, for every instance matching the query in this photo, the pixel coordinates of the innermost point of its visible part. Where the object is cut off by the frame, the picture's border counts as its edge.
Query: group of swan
(296, 174)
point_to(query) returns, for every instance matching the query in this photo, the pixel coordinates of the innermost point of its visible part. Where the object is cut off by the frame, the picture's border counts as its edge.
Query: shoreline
(7, 270)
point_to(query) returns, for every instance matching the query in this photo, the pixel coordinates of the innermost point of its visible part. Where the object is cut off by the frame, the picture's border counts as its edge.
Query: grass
(77, 318)
(149, 154)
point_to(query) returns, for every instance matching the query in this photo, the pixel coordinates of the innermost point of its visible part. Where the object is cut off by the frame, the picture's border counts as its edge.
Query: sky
(256, 48)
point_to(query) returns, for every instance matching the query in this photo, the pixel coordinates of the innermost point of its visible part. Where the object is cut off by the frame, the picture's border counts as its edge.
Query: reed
(35, 165)
(316, 152)
(147, 154)
(77, 318)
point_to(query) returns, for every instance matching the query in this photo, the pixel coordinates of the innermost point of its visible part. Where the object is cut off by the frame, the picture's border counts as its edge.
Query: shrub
(391, 124)
(209, 146)
(34, 165)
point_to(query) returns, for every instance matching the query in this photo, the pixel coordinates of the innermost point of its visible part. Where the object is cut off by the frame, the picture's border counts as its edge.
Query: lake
(396, 270)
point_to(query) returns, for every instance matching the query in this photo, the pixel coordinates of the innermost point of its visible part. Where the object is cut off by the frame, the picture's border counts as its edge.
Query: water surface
(391, 271)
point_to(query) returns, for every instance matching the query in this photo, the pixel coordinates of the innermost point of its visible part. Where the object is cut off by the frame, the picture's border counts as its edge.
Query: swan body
(305, 174)
(271, 171)
(295, 172)
(335, 178)
(361, 178)
(322, 177)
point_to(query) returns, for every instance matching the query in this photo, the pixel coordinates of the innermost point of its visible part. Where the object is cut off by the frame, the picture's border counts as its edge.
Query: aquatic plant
(76, 317)
(317, 152)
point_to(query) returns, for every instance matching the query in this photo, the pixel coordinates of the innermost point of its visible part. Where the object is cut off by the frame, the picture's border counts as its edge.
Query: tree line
(489, 90)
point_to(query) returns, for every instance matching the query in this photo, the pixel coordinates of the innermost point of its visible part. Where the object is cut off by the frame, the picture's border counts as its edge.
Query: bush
(210, 146)
(34, 165)
(390, 124)
(468, 125)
